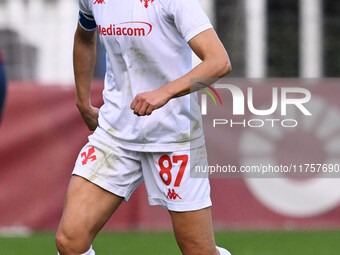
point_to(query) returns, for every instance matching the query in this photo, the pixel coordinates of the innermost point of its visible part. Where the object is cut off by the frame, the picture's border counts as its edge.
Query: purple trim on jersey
(87, 22)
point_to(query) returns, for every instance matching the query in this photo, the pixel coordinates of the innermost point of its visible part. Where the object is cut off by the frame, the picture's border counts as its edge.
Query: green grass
(140, 243)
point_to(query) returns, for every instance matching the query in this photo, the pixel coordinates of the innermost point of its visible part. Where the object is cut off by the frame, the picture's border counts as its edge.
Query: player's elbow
(219, 64)
(223, 66)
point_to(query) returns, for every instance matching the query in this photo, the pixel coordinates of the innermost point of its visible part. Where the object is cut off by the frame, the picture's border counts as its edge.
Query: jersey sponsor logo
(99, 2)
(146, 2)
(89, 156)
(173, 195)
(130, 28)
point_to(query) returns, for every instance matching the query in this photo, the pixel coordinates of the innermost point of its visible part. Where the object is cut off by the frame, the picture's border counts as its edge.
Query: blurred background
(265, 38)
(42, 132)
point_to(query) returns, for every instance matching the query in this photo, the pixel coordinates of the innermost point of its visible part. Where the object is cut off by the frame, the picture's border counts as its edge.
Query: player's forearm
(84, 57)
(211, 67)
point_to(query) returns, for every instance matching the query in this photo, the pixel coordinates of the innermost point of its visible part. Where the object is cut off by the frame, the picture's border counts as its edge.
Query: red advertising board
(42, 134)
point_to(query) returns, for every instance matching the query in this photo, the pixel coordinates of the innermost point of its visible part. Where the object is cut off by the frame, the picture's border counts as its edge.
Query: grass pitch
(146, 243)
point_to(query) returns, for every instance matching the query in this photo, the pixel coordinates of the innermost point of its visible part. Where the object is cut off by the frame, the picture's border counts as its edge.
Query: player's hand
(90, 115)
(145, 103)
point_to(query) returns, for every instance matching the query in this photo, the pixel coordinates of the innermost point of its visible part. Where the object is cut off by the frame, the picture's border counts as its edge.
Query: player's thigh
(87, 208)
(104, 175)
(194, 231)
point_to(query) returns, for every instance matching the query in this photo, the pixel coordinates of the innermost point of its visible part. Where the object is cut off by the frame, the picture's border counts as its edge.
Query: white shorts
(166, 175)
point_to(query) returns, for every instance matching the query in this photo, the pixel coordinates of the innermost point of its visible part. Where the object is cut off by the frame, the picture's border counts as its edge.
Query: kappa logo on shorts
(88, 156)
(173, 195)
(99, 2)
(146, 2)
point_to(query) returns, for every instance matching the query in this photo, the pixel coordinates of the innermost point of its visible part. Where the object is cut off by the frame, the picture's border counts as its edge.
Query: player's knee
(72, 243)
(61, 242)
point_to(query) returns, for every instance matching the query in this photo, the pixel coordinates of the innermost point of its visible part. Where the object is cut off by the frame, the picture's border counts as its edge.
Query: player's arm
(84, 58)
(215, 63)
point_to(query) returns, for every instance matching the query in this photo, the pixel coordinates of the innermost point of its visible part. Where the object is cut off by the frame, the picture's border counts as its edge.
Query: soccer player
(149, 127)
(2, 85)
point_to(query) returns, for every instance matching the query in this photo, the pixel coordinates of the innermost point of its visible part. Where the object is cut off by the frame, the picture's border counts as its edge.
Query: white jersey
(146, 47)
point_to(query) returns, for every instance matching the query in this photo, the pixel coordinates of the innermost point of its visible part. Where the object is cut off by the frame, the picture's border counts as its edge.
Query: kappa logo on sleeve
(99, 2)
(146, 2)
(89, 156)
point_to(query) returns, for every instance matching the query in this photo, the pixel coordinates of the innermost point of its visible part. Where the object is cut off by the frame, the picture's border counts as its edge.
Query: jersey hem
(153, 147)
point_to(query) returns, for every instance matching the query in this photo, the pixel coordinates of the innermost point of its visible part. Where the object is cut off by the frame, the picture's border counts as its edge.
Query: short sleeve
(189, 17)
(84, 7)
